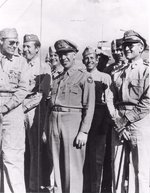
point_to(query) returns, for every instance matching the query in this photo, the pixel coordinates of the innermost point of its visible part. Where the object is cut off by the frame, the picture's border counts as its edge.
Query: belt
(65, 109)
(125, 104)
(5, 94)
(126, 107)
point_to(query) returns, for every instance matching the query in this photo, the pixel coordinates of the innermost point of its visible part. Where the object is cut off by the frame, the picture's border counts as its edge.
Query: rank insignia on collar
(90, 79)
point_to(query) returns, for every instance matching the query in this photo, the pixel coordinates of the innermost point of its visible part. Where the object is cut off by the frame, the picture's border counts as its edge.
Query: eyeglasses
(130, 45)
(11, 43)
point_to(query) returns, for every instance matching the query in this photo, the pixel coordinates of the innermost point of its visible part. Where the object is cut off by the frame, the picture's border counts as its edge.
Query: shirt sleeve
(39, 92)
(88, 103)
(109, 96)
(22, 88)
(143, 107)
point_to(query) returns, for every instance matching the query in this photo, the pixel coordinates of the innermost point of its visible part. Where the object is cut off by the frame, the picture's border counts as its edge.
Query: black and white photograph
(74, 96)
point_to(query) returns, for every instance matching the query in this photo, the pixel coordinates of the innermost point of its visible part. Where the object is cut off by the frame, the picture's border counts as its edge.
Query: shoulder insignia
(90, 79)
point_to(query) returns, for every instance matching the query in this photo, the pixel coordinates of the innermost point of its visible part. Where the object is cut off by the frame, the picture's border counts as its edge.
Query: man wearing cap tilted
(72, 106)
(13, 90)
(132, 100)
(34, 107)
(104, 109)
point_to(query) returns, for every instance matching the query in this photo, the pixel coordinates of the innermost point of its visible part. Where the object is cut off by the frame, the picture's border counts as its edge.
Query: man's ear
(37, 49)
(83, 61)
(1, 42)
(97, 58)
(141, 48)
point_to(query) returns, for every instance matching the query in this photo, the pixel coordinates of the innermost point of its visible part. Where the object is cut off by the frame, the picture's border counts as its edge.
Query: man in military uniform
(56, 67)
(13, 90)
(72, 106)
(34, 107)
(56, 70)
(132, 100)
(117, 54)
(104, 109)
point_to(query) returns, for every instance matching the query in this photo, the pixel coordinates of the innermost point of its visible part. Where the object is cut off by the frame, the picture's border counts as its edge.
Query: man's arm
(19, 93)
(88, 111)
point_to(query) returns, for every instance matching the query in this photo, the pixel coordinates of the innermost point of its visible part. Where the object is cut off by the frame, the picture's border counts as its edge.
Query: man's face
(117, 53)
(90, 61)
(67, 59)
(30, 50)
(132, 50)
(54, 59)
(9, 46)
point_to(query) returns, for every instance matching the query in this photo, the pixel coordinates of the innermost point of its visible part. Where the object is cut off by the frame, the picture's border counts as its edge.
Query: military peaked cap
(131, 36)
(65, 45)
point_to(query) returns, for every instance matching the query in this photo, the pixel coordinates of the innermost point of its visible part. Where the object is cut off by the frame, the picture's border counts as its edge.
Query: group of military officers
(94, 125)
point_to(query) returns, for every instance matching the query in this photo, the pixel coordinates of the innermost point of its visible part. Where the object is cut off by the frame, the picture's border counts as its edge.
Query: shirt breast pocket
(14, 77)
(136, 87)
(74, 90)
(75, 95)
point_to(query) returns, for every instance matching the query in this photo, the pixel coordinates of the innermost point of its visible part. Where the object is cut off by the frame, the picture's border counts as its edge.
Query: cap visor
(131, 41)
(65, 50)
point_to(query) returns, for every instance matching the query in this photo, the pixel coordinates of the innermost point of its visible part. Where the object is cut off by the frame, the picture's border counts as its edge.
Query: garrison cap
(30, 38)
(65, 45)
(88, 50)
(8, 33)
(52, 49)
(131, 36)
(116, 43)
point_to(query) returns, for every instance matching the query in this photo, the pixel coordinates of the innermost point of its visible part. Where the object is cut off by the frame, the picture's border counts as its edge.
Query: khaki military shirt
(39, 83)
(131, 85)
(57, 71)
(13, 80)
(75, 89)
(107, 96)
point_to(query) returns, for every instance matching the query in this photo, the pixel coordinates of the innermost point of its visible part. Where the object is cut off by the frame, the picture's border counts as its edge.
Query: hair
(37, 44)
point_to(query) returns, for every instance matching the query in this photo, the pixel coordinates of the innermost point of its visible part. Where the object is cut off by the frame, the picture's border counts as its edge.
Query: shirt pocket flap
(74, 90)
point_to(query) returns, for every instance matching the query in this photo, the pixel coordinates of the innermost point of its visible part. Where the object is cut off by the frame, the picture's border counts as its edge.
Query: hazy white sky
(83, 21)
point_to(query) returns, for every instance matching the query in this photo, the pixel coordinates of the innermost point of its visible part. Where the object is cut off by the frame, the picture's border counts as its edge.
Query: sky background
(84, 22)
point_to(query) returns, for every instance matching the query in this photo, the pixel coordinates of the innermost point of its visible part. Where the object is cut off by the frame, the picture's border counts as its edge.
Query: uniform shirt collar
(59, 69)
(70, 71)
(136, 63)
(94, 72)
(8, 58)
(34, 61)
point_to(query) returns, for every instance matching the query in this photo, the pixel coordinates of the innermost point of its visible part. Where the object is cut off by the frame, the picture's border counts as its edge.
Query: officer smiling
(70, 119)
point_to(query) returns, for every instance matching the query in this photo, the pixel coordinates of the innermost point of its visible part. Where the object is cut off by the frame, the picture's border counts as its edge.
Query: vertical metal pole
(102, 38)
(39, 119)
(1, 158)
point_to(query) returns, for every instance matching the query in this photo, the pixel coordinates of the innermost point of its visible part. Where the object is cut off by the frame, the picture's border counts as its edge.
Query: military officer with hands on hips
(132, 100)
(35, 108)
(13, 90)
(72, 107)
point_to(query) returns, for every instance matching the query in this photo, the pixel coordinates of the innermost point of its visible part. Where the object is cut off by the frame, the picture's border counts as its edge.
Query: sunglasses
(11, 43)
